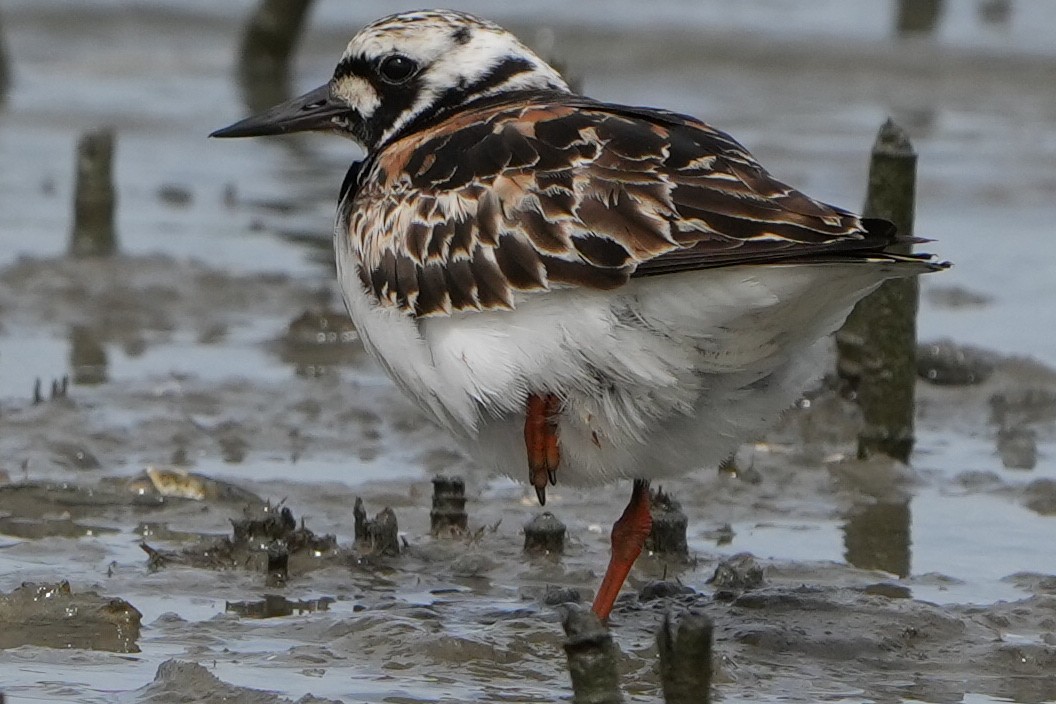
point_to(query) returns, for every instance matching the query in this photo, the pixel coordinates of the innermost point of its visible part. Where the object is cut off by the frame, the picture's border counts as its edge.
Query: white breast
(659, 377)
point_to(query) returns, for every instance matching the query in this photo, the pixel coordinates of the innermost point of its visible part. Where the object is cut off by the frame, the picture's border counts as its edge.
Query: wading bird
(581, 291)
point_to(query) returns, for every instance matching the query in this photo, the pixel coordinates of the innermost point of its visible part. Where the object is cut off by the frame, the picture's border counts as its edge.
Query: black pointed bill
(315, 110)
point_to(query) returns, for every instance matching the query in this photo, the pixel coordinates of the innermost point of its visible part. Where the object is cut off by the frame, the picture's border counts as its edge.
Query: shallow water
(194, 363)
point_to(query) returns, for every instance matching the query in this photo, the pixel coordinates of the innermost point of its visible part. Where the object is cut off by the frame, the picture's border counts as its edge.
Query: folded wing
(515, 198)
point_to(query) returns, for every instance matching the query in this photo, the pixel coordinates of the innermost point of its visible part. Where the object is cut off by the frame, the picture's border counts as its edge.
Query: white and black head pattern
(411, 67)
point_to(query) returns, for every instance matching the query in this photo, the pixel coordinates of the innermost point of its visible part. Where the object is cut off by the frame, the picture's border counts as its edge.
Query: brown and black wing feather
(563, 191)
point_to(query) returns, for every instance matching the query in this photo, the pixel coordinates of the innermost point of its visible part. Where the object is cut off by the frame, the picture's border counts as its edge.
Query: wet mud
(52, 616)
(168, 515)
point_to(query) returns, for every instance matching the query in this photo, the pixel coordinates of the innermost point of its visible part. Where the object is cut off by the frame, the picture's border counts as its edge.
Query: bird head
(403, 70)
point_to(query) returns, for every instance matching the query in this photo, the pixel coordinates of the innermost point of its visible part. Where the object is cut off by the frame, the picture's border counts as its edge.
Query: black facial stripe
(395, 101)
(457, 96)
(355, 66)
(499, 74)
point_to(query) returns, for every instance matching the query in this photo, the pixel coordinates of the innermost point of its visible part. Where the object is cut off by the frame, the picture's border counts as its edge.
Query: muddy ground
(468, 617)
(206, 376)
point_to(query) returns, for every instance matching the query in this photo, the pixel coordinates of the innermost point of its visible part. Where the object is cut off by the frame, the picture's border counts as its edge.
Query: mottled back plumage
(546, 189)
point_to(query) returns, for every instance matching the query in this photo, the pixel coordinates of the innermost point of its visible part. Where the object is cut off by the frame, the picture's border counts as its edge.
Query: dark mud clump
(948, 364)
(739, 573)
(178, 681)
(53, 616)
(378, 535)
(668, 535)
(266, 541)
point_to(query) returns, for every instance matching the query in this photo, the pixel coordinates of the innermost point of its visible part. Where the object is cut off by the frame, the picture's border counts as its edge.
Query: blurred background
(225, 244)
(803, 84)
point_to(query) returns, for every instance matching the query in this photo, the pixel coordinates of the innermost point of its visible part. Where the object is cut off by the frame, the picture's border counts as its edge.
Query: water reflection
(918, 16)
(319, 341)
(88, 359)
(5, 73)
(876, 537)
(264, 80)
(270, 37)
(277, 606)
(995, 12)
(922, 17)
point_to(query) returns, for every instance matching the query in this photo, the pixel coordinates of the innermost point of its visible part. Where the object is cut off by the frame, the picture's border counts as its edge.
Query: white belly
(662, 376)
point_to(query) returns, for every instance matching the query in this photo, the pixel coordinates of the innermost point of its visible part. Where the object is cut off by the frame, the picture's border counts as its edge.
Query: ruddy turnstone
(581, 291)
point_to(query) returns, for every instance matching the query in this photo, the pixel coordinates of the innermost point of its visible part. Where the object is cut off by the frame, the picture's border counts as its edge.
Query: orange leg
(540, 438)
(628, 538)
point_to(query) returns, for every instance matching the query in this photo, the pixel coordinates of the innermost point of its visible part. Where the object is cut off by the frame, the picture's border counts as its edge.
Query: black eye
(397, 68)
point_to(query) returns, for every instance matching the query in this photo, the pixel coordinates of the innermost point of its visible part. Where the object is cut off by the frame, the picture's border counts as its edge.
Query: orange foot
(628, 538)
(540, 437)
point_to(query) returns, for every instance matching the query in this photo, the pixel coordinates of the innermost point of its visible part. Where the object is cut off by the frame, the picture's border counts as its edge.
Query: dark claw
(540, 492)
(551, 474)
